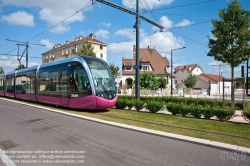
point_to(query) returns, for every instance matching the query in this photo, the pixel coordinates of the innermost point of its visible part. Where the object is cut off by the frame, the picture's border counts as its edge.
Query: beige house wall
(70, 49)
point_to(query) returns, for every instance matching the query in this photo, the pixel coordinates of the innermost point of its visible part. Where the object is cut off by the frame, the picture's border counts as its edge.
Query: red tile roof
(190, 67)
(214, 79)
(147, 56)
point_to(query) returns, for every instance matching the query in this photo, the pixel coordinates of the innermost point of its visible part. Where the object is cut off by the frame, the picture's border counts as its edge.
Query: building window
(101, 56)
(128, 68)
(101, 47)
(145, 68)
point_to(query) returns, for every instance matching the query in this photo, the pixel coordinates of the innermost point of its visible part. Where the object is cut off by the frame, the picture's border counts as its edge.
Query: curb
(229, 148)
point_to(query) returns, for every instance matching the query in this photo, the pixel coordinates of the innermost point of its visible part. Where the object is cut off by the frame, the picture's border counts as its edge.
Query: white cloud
(162, 41)
(19, 18)
(53, 12)
(47, 43)
(121, 48)
(126, 32)
(150, 3)
(12, 63)
(102, 33)
(184, 22)
(165, 22)
(106, 24)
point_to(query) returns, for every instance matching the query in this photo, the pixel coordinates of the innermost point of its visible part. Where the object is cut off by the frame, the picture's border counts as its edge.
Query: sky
(187, 23)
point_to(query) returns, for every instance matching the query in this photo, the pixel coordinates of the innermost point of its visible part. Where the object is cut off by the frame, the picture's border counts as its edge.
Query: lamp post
(172, 68)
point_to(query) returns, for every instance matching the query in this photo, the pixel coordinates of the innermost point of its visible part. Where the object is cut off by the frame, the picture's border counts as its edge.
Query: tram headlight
(110, 96)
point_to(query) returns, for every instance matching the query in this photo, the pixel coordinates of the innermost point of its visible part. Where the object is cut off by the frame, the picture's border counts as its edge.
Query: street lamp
(172, 68)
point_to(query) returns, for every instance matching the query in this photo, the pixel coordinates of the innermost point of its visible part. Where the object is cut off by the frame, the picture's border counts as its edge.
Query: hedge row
(246, 113)
(188, 101)
(182, 109)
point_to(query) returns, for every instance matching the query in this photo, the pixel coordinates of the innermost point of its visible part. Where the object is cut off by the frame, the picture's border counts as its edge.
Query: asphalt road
(41, 136)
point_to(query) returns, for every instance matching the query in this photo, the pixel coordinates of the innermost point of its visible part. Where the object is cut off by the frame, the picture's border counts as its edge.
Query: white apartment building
(71, 48)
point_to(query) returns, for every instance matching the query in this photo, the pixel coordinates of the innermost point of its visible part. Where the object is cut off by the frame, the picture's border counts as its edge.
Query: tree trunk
(232, 87)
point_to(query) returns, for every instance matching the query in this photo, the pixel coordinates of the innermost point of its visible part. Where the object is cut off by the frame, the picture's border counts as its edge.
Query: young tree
(190, 82)
(148, 80)
(20, 67)
(231, 36)
(162, 83)
(87, 49)
(1, 70)
(114, 69)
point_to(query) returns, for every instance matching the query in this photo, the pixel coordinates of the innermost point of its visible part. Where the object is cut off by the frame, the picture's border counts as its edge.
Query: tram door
(64, 87)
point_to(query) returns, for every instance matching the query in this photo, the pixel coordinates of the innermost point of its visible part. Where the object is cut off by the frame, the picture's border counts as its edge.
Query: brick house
(150, 60)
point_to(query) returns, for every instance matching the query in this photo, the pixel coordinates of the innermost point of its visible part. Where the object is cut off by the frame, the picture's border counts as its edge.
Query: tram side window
(43, 86)
(79, 81)
(53, 82)
(21, 84)
(1, 84)
(32, 83)
(10, 84)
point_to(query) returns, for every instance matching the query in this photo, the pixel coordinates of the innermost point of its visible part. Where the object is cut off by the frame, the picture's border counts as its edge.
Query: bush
(246, 113)
(207, 112)
(224, 114)
(129, 103)
(138, 105)
(173, 108)
(195, 110)
(121, 104)
(184, 109)
(154, 106)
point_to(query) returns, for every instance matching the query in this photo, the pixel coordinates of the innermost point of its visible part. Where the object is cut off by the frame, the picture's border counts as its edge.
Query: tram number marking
(74, 95)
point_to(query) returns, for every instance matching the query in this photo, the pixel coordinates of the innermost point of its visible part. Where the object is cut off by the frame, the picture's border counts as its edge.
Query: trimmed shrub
(246, 113)
(154, 106)
(129, 103)
(121, 104)
(173, 108)
(207, 112)
(184, 109)
(195, 110)
(138, 105)
(224, 114)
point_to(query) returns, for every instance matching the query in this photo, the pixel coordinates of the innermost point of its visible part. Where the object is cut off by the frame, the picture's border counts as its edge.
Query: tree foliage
(20, 67)
(190, 81)
(162, 83)
(1, 70)
(87, 49)
(114, 69)
(148, 80)
(231, 37)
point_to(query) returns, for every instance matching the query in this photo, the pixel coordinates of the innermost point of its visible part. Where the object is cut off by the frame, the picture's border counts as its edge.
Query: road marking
(6, 160)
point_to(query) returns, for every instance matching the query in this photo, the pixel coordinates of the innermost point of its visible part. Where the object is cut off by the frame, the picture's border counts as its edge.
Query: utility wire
(83, 8)
(184, 5)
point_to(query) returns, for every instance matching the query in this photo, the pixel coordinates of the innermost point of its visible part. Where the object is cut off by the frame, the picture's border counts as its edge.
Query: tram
(80, 82)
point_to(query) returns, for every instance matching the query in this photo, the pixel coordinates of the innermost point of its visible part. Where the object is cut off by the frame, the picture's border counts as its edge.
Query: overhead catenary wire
(191, 4)
(83, 8)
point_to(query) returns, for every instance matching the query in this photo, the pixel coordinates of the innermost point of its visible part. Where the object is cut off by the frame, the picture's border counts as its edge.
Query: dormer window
(145, 67)
(128, 68)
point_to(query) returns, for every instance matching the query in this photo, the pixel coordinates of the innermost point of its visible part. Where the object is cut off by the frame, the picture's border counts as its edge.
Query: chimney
(76, 38)
(67, 42)
(134, 52)
(92, 36)
(80, 37)
(148, 47)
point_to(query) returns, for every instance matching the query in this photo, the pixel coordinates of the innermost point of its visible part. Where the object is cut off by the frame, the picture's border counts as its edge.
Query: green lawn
(227, 132)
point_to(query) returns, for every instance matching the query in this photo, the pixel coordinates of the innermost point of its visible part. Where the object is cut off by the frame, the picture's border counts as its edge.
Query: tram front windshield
(102, 76)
